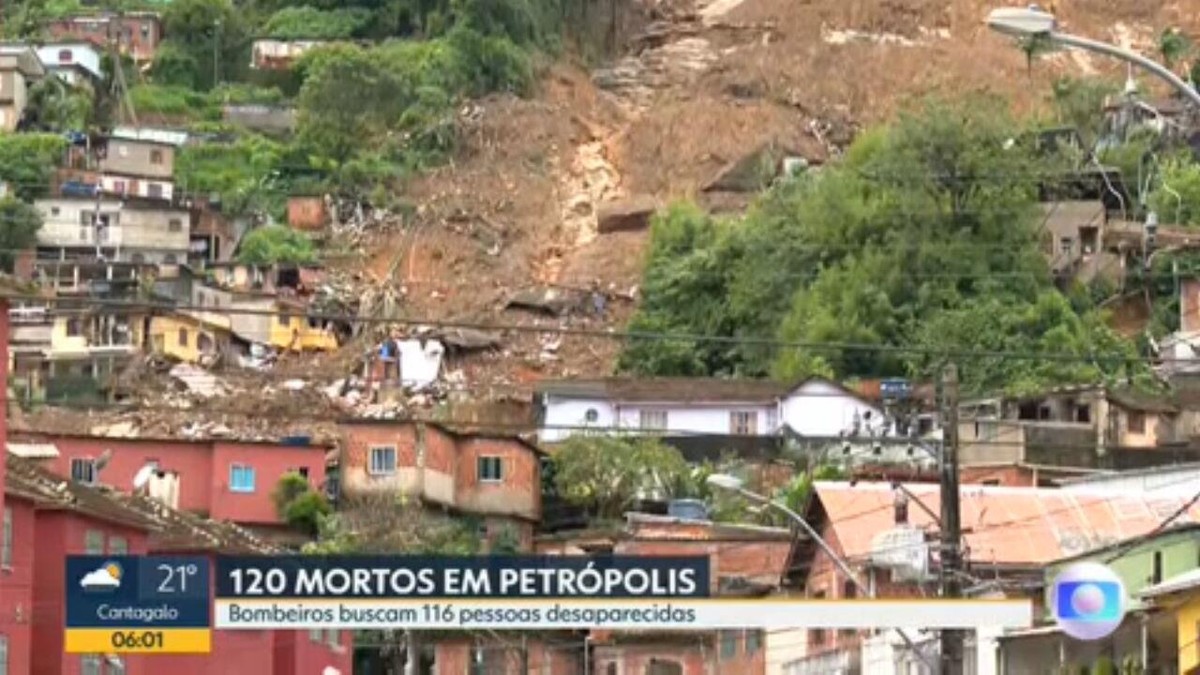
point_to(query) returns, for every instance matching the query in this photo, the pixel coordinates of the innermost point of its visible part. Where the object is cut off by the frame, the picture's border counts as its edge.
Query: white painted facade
(133, 186)
(816, 408)
(69, 60)
(132, 235)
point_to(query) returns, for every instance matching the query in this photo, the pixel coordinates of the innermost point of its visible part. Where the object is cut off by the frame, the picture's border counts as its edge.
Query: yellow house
(296, 332)
(77, 334)
(188, 335)
(1181, 595)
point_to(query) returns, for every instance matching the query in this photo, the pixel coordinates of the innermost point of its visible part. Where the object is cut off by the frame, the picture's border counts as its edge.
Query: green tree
(239, 173)
(334, 130)
(1177, 198)
(606, 474)
(298, 504)
(21, 223)
(309, 23)
(55, 106)
(273, 244)
(27, 162)
(194, 28)
(1078, 102)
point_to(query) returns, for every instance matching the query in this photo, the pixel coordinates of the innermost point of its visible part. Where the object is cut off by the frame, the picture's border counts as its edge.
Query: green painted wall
(1180, 552)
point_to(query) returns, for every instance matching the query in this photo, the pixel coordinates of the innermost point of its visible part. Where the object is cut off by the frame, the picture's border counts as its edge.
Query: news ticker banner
(136, 604)
(123, 604)
(546, 593)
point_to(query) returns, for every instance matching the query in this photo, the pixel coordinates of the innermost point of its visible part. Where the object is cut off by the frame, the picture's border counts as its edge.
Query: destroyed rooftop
(170, 529)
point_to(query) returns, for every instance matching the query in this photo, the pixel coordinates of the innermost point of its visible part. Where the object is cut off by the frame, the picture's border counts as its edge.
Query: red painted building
(79, 519)
(221, 479)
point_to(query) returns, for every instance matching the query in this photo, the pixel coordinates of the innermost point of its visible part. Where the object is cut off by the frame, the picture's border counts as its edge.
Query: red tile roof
(1004, 526)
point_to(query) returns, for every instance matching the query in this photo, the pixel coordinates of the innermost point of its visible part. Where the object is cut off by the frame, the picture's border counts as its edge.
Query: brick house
(1009, 535)
(746, 561)
(223, 479)
(496, 478)
(137, 33)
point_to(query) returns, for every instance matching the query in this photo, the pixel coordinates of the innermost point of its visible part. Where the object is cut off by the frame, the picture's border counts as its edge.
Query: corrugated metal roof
(1003, 525)
(150, 135)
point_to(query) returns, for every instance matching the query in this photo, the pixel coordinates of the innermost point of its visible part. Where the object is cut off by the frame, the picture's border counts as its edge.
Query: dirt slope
(702, 85)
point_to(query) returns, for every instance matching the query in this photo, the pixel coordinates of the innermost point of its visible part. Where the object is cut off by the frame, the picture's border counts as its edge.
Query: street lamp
(1032, 22)
(734, 484)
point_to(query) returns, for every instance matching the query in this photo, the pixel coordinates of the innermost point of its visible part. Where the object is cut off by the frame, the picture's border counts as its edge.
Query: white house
(132, 230)
(815, 408)
(75, 63)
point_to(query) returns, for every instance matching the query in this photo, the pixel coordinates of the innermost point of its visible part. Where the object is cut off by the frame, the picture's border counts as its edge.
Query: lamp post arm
(839, 562)
(1130, 57)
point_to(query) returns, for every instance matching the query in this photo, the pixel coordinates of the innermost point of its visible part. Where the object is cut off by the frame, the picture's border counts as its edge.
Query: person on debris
(389, 355)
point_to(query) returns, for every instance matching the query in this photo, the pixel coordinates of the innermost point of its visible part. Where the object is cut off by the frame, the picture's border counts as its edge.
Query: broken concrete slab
(551, 300)
(468, 339)
(625, 215)
(750, 173)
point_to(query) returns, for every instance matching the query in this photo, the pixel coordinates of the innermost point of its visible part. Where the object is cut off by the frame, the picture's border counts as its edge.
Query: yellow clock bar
(138, 641)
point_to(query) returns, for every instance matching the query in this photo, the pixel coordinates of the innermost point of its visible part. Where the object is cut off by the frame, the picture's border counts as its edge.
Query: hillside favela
(868, 301)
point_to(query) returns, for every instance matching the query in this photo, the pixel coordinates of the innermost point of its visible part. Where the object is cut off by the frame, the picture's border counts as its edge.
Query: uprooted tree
(298, 504)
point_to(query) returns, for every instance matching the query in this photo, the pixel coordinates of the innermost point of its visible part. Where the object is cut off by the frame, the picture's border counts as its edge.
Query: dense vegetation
(378, 101)
(922, 241)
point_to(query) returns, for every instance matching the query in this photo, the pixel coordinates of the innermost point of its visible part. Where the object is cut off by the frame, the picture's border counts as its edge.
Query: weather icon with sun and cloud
(108, 577)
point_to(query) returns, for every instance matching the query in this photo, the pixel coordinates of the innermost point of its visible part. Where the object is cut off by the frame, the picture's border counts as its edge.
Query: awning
(32, 450)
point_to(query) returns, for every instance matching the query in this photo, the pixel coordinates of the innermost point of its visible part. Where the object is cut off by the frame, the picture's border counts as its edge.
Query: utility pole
(951, 529)
(216, 53)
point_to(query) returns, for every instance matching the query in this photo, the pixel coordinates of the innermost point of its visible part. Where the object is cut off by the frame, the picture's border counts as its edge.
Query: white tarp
(420, 363)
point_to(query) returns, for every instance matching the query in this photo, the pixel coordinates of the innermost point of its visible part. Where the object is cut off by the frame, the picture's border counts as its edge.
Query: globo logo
(1088, 600)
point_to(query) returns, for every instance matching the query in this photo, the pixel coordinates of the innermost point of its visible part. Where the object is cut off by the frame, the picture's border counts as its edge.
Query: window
(6, 546)
(204, 342)
(138, 258)
(183, 337)
(333, 638)
(83, 234)
(74, 328)
(301, 471)
(116, 666)
(154, 190)
(54, 210)
(83, 471)
(1065, 245)
(93, 542)
(241, 478)
(1136, 422)
(772, 420)
(174, 225)
(156, 157)
(118, 546)
(753, 641)
(742, 423)
(89, 664)
(1083, 413)
(314, 634)
(653, 419)
(491, 469)
(1156, 572)
(283, 319)
(169, 259)
(729, 646)
(119, 186)
(65, 56)
(383, 460)
(591, 416)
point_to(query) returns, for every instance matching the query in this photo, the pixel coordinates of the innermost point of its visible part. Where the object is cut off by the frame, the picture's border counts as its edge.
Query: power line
(351, 318)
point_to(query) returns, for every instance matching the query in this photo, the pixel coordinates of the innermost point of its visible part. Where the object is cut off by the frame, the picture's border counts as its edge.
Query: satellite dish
(103, 460)
(143, 476)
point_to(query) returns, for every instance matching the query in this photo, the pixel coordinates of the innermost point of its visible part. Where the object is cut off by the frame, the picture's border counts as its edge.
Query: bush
(298, 505)
(276, 244)
(310, 23)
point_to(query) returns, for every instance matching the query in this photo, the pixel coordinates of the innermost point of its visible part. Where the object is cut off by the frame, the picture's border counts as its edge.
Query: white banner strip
(549, 614)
